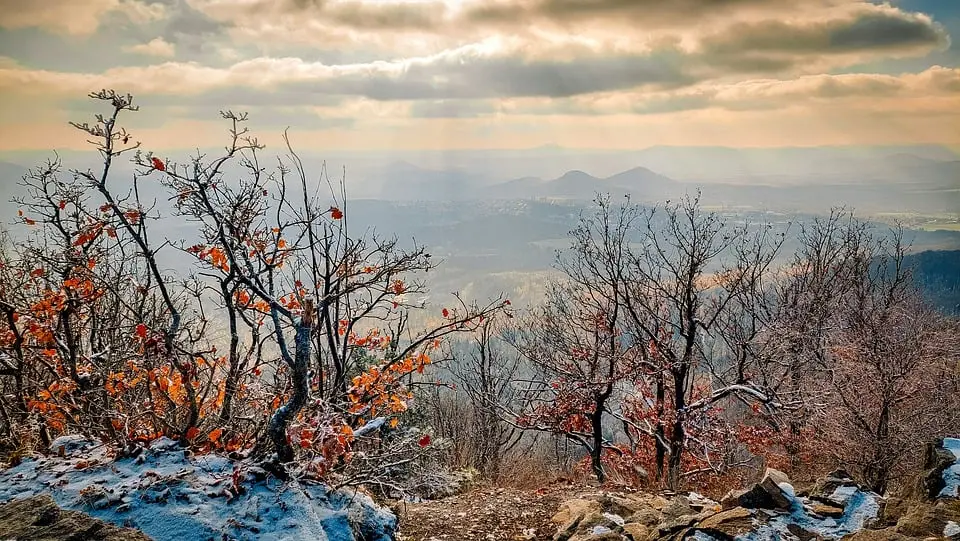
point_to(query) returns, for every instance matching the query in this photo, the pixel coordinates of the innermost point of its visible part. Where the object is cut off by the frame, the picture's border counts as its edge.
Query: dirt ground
(485, 514)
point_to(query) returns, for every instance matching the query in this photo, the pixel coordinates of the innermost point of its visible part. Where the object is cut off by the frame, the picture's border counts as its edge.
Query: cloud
(74, 17)
(879, 29)
(155, 47)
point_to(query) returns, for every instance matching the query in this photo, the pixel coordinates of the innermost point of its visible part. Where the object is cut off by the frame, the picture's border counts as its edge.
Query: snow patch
(951, 529)
(860, 507)
(170, 496)
(842, 494)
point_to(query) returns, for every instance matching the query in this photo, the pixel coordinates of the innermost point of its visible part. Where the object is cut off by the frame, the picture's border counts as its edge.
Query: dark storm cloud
(863, 31)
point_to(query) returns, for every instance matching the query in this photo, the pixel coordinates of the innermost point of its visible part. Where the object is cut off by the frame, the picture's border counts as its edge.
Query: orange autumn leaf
(192, 433)
(215, 435)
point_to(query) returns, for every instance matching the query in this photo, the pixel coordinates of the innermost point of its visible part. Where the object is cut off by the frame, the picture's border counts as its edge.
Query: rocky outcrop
(40, 518)
(768, 510)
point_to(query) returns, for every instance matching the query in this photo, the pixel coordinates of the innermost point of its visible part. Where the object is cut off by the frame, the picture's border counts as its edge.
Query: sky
(476, 74)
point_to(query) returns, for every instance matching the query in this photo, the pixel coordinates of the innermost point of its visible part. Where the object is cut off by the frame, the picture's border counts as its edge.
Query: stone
(622, 506)
(774, 483)
(604, 520)
(678, 507)
(700, 502)
(571, 510)
(636, 531)
(751, 498)
(892, 509)
(825, 510)
(40, 518)
(929, 520)
(825, 487)
(646, 517)
(802, 533)
(732, 522)
(886, 534)
(676, 524)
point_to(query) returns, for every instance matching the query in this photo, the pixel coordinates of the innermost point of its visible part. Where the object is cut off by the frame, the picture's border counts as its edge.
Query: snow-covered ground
(173, 497)
(859, 507)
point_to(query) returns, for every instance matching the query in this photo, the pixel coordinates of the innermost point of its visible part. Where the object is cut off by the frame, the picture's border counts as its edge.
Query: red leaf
(141, 330)
(424, 441)
(446, 313)
(158, 164)
(335, 213)
(192, 433)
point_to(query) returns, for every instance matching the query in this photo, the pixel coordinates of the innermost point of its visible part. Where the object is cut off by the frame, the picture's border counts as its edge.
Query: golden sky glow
(488, 74)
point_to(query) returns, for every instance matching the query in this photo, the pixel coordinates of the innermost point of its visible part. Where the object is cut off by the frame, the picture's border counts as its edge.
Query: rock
(605, 520)
(802, 533)
(674, 525)
(752, 498)
(825, 510)
(775, 483)
(887, 534)
(646, 517)
(732, 522)
(928, 484)
(39, 518)
(622, 506)
(678, 507)
(891, 510)
(636, 531)
(825, 488)
(700, 502)
(574, 510)
(929, 520)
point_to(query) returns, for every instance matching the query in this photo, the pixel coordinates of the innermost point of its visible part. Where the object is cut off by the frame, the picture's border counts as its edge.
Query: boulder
(928, 484)
(574, 511)
(892, 509)
(646, 517)
(887, 534)
(929, 520)
(777, 485)
(750, 498)
(825, 488)
(802, 533)
(678, 507)
(636, 531)
(40, 518)
(826, 510)
(732, 522)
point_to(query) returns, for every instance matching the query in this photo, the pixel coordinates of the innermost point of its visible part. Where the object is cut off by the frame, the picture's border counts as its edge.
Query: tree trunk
(677, 434)
(282, 417)
(596, 452)
(661, 432)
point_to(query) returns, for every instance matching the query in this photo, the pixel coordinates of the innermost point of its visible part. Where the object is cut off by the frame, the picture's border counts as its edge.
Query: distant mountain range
(922, 179)
(931, 186)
